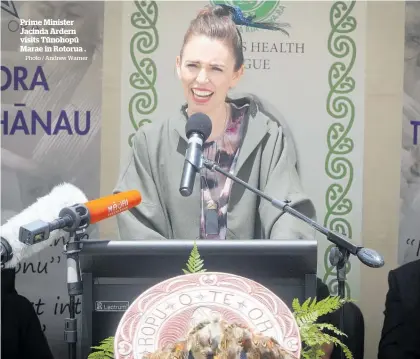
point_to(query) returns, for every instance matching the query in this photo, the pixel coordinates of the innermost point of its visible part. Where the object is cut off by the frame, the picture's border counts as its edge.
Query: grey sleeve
(283, 183)
(147, 220)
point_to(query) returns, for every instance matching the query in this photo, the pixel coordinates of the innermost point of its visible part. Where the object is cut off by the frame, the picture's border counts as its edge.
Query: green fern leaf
(194, 264)
(312, 333)
(295, 305)
(330, 327)
(305, 305)
(104, 351)
(101, 355)
(338, 342)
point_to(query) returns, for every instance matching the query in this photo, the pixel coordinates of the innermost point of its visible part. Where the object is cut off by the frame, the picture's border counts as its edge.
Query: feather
(239, 19)
(219, 340)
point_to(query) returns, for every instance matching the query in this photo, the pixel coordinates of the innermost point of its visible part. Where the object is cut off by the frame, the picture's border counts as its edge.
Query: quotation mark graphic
(58, 259)
(412, 242)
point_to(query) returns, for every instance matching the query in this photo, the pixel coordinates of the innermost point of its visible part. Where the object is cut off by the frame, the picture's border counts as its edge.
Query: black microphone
(198, 130)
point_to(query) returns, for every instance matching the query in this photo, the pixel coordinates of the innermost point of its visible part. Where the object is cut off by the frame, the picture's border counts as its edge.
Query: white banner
(409, 236)
(51, 131)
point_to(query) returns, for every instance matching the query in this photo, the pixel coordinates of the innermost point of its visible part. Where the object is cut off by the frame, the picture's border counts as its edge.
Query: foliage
(314, 334)
(104, 351)
(195, 263)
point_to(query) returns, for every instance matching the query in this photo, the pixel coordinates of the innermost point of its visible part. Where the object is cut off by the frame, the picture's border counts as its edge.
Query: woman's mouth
(201, 96)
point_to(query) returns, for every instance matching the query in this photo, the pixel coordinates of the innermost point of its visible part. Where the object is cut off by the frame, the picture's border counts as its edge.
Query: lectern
(115, 273)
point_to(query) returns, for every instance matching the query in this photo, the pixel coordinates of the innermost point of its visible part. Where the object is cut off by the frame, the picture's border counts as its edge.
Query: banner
(314, 77)
(409, 234)
(51, 55)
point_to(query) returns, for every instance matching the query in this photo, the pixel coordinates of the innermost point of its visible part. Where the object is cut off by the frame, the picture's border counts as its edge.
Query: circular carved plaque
(166, 312)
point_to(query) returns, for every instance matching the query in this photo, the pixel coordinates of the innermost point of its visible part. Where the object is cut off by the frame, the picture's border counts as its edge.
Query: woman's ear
(178, 66)
(237, 76)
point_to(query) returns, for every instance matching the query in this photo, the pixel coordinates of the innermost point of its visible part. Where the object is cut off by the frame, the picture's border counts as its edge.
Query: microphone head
(199, 123)
(370, 257)
(46, 209)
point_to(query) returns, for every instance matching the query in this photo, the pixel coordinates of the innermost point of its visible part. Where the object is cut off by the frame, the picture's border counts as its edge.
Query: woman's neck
(219, 118)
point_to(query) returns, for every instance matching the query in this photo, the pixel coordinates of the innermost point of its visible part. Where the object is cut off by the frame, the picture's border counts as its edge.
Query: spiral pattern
(144, 42)
(340, 107)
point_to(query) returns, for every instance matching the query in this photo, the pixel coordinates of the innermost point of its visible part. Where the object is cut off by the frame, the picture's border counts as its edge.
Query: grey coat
(267, 160)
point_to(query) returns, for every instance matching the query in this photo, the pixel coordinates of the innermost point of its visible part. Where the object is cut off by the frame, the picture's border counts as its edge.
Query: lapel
(179, 126)
(254, 132)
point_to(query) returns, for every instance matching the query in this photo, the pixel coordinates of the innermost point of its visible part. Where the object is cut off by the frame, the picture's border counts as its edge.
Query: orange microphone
(105, 207)
(75, 217)
(79, 216)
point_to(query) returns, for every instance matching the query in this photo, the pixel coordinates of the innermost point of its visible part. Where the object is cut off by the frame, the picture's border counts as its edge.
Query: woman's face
(207, 72)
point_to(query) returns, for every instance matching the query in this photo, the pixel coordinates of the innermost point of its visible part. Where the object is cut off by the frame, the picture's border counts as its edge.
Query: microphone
(36, 227)
(45, 208)
(75, 214)
(80, 216)
(198, 130)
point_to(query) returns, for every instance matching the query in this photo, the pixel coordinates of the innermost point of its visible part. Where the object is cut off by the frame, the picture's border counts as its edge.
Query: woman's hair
(220, 21)
(216, 22)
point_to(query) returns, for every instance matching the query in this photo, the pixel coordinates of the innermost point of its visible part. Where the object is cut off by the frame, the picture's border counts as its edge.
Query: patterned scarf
(215, 187)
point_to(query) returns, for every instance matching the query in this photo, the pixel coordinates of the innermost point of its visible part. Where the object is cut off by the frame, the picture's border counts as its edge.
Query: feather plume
(239, 18)
(218, 339)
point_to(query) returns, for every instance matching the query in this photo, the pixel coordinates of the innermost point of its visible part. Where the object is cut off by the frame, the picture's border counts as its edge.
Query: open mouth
(201, 95)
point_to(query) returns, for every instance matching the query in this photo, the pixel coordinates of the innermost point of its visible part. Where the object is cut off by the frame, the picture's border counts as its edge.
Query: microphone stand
(78, 221)
(75, 220)
(339, 255)
(74, 288)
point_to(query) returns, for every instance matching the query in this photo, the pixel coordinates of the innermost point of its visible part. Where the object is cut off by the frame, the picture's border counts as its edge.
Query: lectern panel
(118, 272)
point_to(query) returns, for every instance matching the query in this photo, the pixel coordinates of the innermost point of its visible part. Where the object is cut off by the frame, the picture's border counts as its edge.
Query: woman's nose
(202, 76)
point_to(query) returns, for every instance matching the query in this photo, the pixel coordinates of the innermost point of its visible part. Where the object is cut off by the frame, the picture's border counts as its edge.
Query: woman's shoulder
(260, 110)
(264, 113)
(153, 126)
(158, 128)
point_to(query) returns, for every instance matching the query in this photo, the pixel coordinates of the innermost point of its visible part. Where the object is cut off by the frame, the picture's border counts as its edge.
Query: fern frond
(338, 342)
(312, 353)
(104, 351)
(295, 305)
(195, 263)
(325, 306)
(307, 318)
(101, 355)
(312, 333)
(330, 327)
(306, 304)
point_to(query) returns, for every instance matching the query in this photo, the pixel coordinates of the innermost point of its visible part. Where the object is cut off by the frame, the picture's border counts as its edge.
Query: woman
(245, 140)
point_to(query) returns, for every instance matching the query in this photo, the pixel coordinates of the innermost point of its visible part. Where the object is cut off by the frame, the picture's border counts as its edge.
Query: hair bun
(217, 10)
(221, 11)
